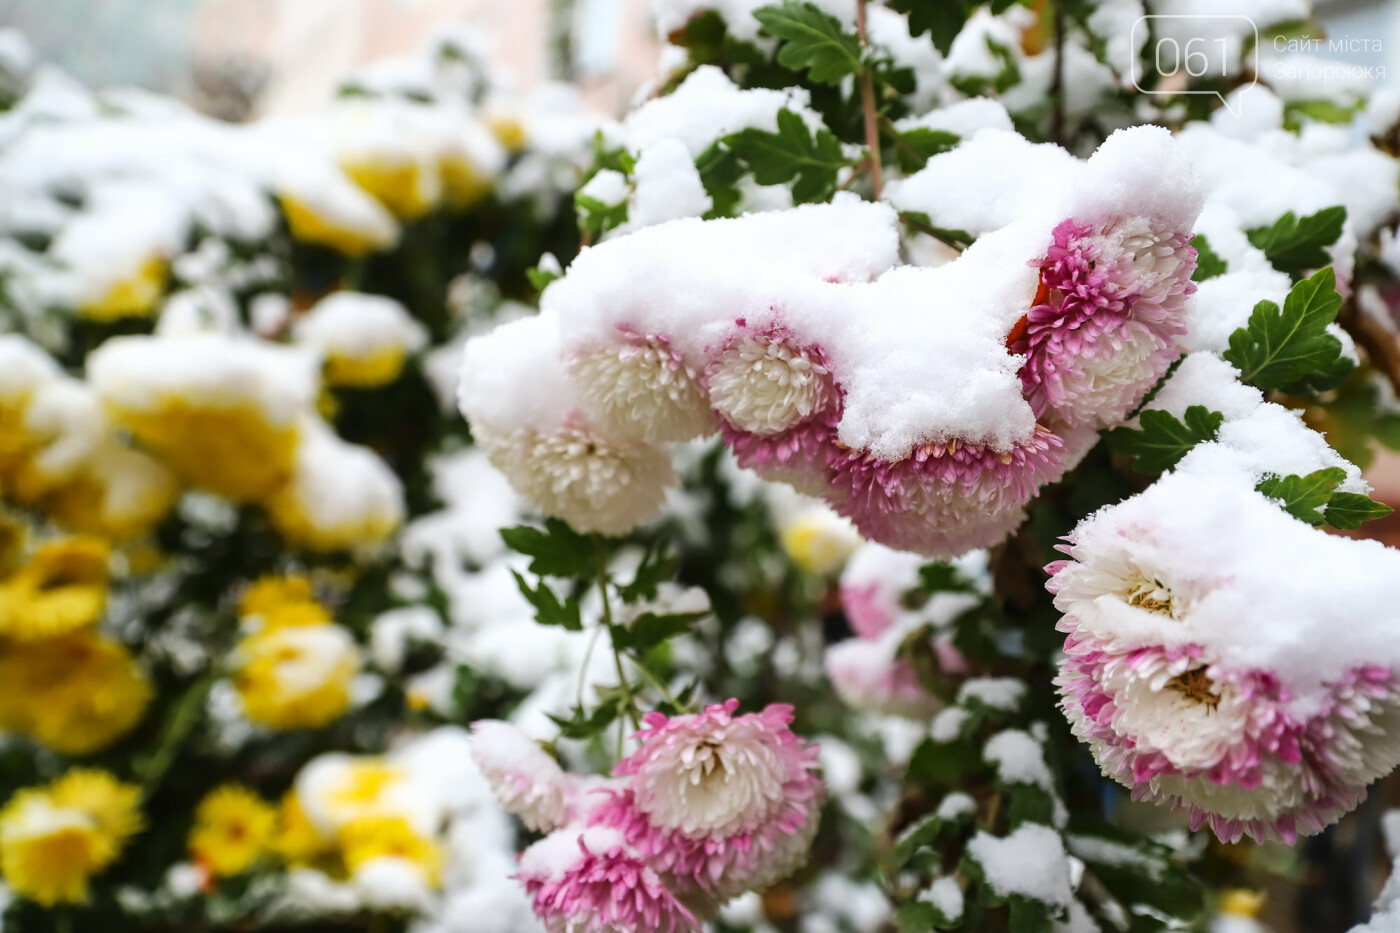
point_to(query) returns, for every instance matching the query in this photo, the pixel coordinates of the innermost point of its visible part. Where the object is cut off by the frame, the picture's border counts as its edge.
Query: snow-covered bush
(898, 453)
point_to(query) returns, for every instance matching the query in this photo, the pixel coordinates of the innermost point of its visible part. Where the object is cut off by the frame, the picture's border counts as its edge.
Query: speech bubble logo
(1192, 45)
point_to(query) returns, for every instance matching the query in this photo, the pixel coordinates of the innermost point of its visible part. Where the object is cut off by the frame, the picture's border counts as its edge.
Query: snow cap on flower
(364, 339)
(558, 460)
(1204, 678)
(526, 781)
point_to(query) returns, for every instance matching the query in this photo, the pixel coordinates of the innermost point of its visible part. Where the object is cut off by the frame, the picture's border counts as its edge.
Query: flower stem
(623, 683)
(182, 721)
(867, 104)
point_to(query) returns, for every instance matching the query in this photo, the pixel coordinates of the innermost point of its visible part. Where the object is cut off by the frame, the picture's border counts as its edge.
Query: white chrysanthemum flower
(526, 781)
(765, 385)
(641, 386)
(595, 483)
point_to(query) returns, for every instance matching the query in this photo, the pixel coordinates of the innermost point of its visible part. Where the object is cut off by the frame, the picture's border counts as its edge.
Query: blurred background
(241, 58)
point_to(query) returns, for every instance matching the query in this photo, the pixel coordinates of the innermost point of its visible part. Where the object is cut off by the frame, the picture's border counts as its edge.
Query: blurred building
(308, 46)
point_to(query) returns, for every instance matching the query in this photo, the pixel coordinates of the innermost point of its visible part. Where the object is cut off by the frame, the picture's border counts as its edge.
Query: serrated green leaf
(792, 153)
(917, 917)
(915, 147)
(720, 171)
(1349, 510)
(812, 40)
(657, 566)
(1290, 350)
(1208, 262)
(650, 629)
(1162, 440)
(554, 551)
(941, 19)
(1303, 496)
(1296, 245)
(583, 725)
(549, 609)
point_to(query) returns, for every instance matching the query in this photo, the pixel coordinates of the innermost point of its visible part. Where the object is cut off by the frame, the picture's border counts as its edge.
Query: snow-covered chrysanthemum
(1111, 305)
(944, 499)
(526, 781)
(559, 460)
(719, 803)
(591, 881)
(1203, 678)
(592, 481)
(764, 384)
(641, 386)
(869, 675)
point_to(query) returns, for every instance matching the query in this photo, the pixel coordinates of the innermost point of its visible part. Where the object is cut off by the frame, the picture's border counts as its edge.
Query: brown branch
(1381, 346)
(867, 104)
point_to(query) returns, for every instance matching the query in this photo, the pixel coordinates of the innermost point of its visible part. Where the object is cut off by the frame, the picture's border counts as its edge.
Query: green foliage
(791, 155)
(585, 725)
(1208, 262)
(549, 608)
(554, 551)
(651, 629)
(812, 41)
(1290, 350)
(540, 278)
(596, 218)
(720, 170)
(941, 19)
(1162, 440)
(1296, 245)
(1314, 499)
(913, 148)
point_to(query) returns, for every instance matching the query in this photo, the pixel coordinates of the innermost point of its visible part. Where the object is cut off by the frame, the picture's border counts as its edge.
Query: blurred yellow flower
(1242, 902)
(463, 184)
(233, 450)
(54, 839)
(76, 694)
(408, 188)
(269, 593)
(312, 226)
(296, 676)
(508, 129)
(63, 588)
(367, 838)
(819, 541)
(135, 295)
(119, 494)
(233, 828)
(298, 842)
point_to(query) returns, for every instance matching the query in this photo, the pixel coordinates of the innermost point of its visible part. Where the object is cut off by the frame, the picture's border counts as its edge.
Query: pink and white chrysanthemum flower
(869, 675)
(641, 385)
(1107, 317)
(1179, 727)
(719, 803)
(526, 781)
(589, 880)
(945, 499)
(767, 383)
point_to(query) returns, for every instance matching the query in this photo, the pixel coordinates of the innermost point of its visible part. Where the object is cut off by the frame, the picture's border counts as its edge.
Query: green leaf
(555, 551)
(1029, 916)
(1304, 496)
(918, 917)
(813, 40)
(942, 764)
(549, 610)
(596, 218)
(581, 725)
(915, 147)
(1296, 112)
(1162, 440)
(1290, 350)
(540, 278)
(941, 19)
(1295, 246)
(919, 835)
(943, 578)
(650, 629)
(1208, 262)
(920, 223)
(720, 170)
(1349, 510)
(791, 153)
(657, 567)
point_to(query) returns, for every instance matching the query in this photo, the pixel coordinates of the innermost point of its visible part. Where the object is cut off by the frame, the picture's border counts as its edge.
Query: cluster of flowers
(709, 806)
(926, 404)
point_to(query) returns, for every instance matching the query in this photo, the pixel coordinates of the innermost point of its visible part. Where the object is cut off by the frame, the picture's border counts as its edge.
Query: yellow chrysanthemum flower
(267, 594)
(233, 451)
(120, 494)
(63, 588)
(76, 694)
(233, 828)
(463, 184)
(819, 542)
(53, 840)
(408, 188)
(371, 837)
(135, 295)
(310, 225)
(508, 129)
(297, 676)
(298, 841)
